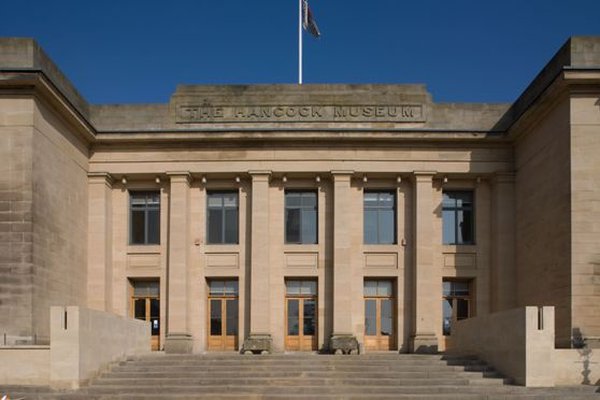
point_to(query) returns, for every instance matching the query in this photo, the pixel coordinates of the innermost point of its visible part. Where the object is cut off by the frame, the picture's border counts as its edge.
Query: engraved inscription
(300, 113)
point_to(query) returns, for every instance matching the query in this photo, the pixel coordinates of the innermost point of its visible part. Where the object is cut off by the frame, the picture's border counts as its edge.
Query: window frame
(223, 220)
(146, 209)
(395, 218)
(455, 211)
(469, 298)
(302, 209)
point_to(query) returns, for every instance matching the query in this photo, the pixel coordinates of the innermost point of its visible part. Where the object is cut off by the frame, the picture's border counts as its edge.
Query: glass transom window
(222, 220)
(374, 288)
(301, 288)
(301, 217)
(223, 287)
(144, 218)
(379, 217)
(146, 289)
(457, 217)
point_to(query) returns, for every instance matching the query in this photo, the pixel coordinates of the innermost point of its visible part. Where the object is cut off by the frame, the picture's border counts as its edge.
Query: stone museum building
(349, 218)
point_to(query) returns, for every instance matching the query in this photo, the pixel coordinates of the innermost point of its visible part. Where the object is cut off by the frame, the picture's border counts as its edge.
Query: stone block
(424, 344)
(343, 344)
(257, 344)
(178, 343)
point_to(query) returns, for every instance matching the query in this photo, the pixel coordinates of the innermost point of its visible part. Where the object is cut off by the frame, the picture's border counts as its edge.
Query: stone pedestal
(343, 344)
(424, 343)
(257, 344)
(178, 343)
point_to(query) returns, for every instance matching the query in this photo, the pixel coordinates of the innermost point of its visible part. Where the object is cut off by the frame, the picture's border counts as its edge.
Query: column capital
(339, 172)
(342, 175)
(424, 176)
(260, 175)
(180, 177)
(101, 178)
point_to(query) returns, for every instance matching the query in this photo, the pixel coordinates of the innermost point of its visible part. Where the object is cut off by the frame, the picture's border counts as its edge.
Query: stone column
(503, 242)
(178, 338)
(259, 340)
(427, 286)
(99, 276)
(343, 340)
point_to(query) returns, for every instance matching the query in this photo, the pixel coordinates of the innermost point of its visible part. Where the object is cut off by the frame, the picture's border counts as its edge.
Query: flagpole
(300, 42)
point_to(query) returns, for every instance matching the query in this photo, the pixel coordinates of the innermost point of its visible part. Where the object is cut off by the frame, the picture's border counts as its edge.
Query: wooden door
(380, 321)
(223, 323)
(148, 309)
(301, 323)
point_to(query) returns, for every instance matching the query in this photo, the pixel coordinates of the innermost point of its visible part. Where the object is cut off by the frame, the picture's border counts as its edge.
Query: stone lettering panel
(188, 114)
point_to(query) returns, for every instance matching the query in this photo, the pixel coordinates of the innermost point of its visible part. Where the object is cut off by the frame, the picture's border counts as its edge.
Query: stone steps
(333, 374)
(302, 376)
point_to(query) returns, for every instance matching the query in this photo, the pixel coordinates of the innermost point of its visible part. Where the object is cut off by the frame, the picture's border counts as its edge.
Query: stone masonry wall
(60, 215)
(16, 248)
(585, 215)
(543, 217)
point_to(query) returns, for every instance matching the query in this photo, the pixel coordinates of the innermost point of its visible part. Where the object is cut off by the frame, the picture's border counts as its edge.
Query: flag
(308, 21)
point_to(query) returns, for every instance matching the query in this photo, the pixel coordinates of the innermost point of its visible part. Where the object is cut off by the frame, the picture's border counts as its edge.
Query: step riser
(300, 377)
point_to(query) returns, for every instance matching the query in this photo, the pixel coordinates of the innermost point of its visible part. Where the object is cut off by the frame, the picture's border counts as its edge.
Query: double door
(301, 315)
(379, 316)
(301, 332)
(223, 315)
(145, 306)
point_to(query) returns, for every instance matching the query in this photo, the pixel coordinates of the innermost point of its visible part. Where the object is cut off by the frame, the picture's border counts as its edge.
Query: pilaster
(503, 242)
(343, 339)
(427, 285)
(259, 340)
(178, 338)
(99, 276)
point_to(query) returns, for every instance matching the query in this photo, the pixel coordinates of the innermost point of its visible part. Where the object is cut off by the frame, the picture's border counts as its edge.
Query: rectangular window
(301, 287)
(223, 288)
(222, 218)
(457, 217)
(301, 217)
(379, 217)
(144, 218)
(456, 303)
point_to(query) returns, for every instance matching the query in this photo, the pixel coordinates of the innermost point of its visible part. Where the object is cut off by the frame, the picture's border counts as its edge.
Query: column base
(178, 343)
(343, 344)
(257, 343)
(424, 343)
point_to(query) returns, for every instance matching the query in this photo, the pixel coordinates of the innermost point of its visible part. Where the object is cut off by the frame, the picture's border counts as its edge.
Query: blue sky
(138, 51)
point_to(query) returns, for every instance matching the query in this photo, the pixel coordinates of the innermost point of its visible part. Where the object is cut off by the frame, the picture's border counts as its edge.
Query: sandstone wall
(16, 241)
(543, 238)
(59, 211)
(585, 215)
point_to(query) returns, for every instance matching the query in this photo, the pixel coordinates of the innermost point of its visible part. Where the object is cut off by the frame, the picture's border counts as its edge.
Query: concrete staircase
(303, 376)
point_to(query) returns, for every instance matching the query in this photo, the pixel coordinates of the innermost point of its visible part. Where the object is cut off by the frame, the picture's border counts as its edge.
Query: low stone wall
(577, 366)
(519, 343)
(25, 365)
(82, 343)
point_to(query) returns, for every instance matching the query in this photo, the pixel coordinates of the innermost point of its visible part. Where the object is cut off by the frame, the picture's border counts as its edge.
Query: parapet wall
(515, 342)
(519, 343)
(83, 342)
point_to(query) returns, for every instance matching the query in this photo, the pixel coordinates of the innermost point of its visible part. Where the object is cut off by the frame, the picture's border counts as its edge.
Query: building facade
(300, 218)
